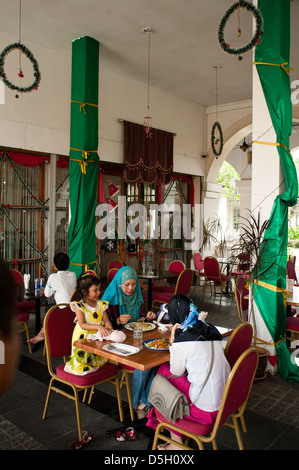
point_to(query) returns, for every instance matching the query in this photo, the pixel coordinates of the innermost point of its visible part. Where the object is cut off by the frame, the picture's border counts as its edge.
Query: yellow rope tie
(83, 164)
(85, 153)
(273, 288)
(271, 343)
(271, 143)
(84, 264)
(286, 69)
(82, 105)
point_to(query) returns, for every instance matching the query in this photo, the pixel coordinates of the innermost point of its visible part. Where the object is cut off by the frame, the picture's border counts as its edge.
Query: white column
(267, 176)
(244, 188)
(52, 212)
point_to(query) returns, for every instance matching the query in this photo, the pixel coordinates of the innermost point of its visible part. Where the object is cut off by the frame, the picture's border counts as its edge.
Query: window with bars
(24, 216)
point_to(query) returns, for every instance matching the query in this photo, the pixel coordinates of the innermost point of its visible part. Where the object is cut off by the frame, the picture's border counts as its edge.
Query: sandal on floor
(128, 435)
(144, 412)
(76, 445)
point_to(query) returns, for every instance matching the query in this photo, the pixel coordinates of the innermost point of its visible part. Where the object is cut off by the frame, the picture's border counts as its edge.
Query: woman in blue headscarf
(125, 298)
(125, 305)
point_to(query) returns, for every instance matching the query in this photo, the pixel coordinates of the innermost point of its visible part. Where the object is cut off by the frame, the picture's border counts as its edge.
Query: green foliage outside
(227, 177)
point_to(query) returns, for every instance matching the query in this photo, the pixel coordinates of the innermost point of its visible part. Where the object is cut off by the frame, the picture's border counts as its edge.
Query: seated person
(125, 298)
(60, 284)
(190, 351)
(126, 305)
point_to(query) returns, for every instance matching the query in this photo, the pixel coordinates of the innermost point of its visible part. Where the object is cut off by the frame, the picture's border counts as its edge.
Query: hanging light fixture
(244, 146)
(147, 119)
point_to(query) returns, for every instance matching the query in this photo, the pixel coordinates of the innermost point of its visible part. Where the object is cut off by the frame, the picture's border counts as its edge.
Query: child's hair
(61, 261)
(84, 282)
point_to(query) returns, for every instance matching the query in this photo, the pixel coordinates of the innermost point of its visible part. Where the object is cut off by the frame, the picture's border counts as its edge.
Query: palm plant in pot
(247, 253)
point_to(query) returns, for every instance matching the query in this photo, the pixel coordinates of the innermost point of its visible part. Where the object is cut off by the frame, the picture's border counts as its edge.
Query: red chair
(175, 267)
(238, 342)
(198, 268)
(233, 405)
(291, 272)
(74, 296)
(24, 307)
(213, 276)
(183, 286)
(58, 327)
(241, 296)
(292, 326)
(111, 274)
(115, 263)
(243, 265)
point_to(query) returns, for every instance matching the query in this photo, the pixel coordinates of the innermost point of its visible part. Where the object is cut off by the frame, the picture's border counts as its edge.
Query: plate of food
(157, 344)
(146, 326)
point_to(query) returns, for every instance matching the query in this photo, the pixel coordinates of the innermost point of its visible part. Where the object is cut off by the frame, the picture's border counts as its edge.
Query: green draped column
(83, 168)
(272, 62)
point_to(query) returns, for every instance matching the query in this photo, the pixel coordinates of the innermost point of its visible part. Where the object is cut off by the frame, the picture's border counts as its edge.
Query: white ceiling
(184, 49)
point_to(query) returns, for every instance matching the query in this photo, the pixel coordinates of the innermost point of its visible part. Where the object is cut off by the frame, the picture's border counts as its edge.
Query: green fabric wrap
(83, 169)
(275, 81)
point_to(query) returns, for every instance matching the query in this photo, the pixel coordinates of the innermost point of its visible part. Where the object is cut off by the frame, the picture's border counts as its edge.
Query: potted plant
(251, 245)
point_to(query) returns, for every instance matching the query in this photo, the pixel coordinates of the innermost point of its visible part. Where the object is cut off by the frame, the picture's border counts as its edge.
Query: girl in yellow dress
(91, 317)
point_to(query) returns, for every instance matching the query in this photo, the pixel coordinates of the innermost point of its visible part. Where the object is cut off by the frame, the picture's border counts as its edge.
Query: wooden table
(156, 276)
(143, 360)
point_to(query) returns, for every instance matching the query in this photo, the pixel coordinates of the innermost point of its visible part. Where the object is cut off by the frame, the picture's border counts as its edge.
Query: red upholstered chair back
(291, 270)
(17, 277)
(238, 342)
(115, 263)
(238, 385)
(176, 266)
(244, 262)
(184, 282)
(59, 325)
(211, 267)
(111, 274)
(198, 262)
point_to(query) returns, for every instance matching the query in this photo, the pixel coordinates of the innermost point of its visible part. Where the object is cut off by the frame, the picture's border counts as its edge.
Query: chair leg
(84, 396)
(119, 401)
(125, 375)
(78, 414)
(27, 337)
(238, 434)
(90, 395)
(47, 399)
(214, 444)
(244, 428)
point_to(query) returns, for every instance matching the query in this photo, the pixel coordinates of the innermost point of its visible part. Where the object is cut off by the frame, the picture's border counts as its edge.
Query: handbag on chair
(168, 400)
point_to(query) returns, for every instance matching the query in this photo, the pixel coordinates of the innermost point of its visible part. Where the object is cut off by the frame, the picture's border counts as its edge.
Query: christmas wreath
(215, 141)
(28, 53)
(258, 31)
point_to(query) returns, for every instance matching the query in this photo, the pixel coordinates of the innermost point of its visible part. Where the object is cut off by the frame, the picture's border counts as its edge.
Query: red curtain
(27, 159)
(147, 159)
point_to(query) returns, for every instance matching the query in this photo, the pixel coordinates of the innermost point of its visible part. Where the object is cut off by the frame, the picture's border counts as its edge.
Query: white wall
(40, 120)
